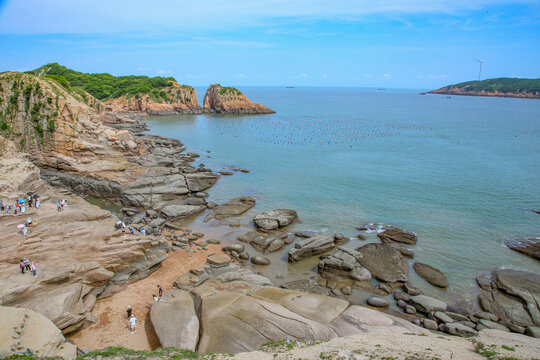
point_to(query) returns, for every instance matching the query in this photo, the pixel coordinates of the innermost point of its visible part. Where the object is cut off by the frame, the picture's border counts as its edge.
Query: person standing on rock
(160, 291)
(132, 323)
(27, 264)
(25, 231)
(21, 266)
(33, 268)
(37, 203)
(58, 206)
(128, 311)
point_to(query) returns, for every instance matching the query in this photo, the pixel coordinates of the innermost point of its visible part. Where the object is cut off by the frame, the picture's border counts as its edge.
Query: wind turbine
(480, 72)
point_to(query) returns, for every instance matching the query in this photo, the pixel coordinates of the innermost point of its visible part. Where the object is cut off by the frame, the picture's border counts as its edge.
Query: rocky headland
(229, 100)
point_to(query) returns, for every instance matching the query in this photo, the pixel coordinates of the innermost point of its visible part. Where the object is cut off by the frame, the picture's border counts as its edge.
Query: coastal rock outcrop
(431, 275)
(343, 264)
(528, 246)
(274, 219)
(239, 311)
(26, 331)
(392, 235)
(231, 101)
(383, 262)
(233, 207)
(315, 245)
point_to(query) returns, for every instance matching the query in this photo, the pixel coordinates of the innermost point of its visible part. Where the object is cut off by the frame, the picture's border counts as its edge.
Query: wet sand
(112, 329)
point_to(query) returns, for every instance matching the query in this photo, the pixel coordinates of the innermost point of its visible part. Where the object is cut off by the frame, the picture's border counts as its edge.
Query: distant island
(500, 87)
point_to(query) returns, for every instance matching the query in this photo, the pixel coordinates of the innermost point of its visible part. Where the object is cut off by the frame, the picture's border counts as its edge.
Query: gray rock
(311, 246)
(274, 219)
(513, 327)
(234, 247)
(467, 323)
(427, 304)
(157, 222)
(456, 316)
(430, 324)
(402, 304)
(460, 330)
(305, 233)
(528, 246)
(343, 263)
(260, 260)
(151, 213)
(443, 317)
(306, 285)
(377, 302)
(233, 207)
(533, 331)
(340, 239)
(176, 212)
(398, 235)
(412, 290)
(492, 325)
(400, 295)
(383, 262)
(486, 315)
(409, 309)
(197, 182)
(346, 290)
(484, 281)
(269, 243)
(430, 274)
(244, 255)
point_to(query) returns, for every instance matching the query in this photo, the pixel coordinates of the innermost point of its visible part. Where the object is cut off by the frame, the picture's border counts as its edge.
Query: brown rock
(230, 100)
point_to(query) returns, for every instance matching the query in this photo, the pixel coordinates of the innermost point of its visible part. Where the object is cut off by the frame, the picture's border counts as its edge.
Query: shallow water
(462, 172)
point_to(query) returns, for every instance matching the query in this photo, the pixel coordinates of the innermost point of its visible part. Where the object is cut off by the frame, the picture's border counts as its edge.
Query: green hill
(510, 87)
(104, 86)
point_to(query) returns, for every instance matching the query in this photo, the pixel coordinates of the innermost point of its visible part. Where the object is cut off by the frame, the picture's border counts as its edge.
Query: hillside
(500, 87)
(128, 93)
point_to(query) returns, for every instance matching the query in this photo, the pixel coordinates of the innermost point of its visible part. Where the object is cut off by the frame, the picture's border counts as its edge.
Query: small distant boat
(290, 87)
(422, 93)
(381, 89)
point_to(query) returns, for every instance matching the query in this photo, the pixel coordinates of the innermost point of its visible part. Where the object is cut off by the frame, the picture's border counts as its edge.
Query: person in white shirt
(132, 323)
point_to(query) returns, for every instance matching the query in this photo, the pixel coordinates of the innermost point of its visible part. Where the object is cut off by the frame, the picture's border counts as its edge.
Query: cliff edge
(229, 100)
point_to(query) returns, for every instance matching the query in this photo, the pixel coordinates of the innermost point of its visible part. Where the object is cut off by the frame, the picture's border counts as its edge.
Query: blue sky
(374, 43)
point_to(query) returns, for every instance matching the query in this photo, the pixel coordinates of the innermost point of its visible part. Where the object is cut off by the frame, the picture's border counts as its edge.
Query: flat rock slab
(431, 275)
(383, 262)
(528, 246)
(177, 211)
(311, 246)
(233, 207)
(218, 259)
(427, 304)
(270, 220)
(398, 235)
(342, 263)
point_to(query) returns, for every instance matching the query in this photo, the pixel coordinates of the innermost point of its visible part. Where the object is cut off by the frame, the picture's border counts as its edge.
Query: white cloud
(387, 75)
(163, 72)
(104, 16)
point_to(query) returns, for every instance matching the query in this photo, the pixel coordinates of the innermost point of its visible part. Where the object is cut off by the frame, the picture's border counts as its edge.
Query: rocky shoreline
(220, 306)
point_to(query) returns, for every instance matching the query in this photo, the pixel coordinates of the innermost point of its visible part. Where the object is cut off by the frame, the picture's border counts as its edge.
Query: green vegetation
(161, 353)
(104, 86)
(228, 90)
(505, 85)
(509, 348)
(490, 353)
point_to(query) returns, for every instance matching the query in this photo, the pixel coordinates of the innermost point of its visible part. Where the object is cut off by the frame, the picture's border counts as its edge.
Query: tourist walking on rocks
(128, 311)
(27, 264)
(58, 206)
(25, 231)
(33, 268)
(160, 291)
(21, 266)
(132, 323)
(37, 203)
(131, 230)
(7, 209)
(155, 298)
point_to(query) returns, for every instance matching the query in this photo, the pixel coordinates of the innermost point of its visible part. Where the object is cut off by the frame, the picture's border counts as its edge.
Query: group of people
(20, 205)
(26, 266)
(131, 316)
(120, 225)
(60, 204)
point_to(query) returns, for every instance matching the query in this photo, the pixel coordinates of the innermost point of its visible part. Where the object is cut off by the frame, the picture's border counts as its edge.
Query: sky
(421, 44)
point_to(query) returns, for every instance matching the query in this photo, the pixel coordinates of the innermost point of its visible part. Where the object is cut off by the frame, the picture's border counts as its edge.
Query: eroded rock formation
(231, 101)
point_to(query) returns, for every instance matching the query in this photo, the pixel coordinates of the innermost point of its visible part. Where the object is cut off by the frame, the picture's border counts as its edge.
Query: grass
(163, 353)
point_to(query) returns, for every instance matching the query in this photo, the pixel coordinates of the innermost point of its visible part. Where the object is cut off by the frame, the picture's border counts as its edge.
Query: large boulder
(175, 212)
(177, 307)
(233, 207)
(200, 181)
(229, 100)
(343, 263)
(431, 275)
(427, 304)
(311, 246)
(272, 242)
(398, 235)
(383, 262)
(24, 329)
(529, 246)
(274, 219)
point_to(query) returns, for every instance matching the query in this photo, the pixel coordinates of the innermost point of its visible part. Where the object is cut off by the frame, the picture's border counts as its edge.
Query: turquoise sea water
(462, 172)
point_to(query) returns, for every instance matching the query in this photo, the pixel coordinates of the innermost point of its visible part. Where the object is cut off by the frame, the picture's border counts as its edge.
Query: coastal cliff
(231, 101)
(500, 87)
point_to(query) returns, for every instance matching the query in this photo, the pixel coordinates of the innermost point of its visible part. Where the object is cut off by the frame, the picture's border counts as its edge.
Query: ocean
(461, 172)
